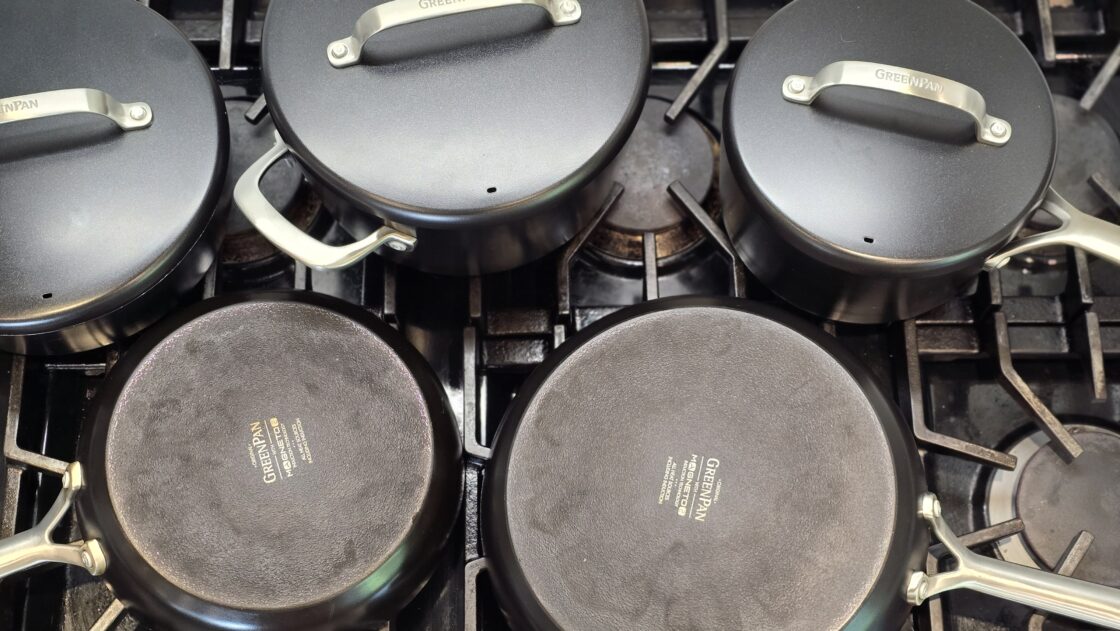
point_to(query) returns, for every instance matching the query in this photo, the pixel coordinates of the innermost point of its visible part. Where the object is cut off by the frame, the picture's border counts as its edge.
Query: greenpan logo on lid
(18, 105)
(922, 83)
(432, 4)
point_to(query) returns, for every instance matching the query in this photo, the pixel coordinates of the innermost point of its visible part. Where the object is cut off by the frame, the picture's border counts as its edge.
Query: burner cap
(276, 453)
(656, 155)
(1057, 500)
(282, 185)
(695, 465)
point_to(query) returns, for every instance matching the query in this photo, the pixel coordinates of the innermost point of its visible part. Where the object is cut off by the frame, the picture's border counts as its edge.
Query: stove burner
(656, 155)
(282, 185)
(1056, 501)
(1087, 144)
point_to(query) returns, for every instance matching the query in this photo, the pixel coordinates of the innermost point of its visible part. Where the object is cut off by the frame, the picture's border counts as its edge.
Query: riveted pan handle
(35, 547)
(293, 241)
(1076, 228)
(989, 129)
(1062, 595)
(348, 52)
(127, 116)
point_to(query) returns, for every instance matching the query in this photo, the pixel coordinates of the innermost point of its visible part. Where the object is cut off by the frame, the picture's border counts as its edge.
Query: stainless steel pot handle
(989, 129)
(127, 116)
(35, 547)
(1076, 228)
(1062, 595)
(348, 52)
(293, 241)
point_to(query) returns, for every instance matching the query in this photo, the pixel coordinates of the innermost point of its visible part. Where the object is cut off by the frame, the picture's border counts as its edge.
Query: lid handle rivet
(998, 129)
(339, 50)
(138, 112)
(796, 85)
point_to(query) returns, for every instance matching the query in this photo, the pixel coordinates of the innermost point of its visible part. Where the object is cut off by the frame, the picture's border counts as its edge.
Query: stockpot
(456, 137)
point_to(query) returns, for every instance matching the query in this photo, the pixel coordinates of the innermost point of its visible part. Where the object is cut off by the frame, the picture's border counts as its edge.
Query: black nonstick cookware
(705, 463)
(261, 461)
(457, 137)
(879, 154)
(113, 148)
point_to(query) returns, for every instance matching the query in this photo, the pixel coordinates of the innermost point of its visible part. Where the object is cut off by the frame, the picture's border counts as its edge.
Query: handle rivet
(568, 7)
(998, 129)
(797, 86)
(138, 113)
(87, 560)
(398, 246)
(339, 50)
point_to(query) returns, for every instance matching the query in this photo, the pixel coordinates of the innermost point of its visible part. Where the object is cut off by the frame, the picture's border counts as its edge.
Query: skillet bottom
(692, 468)
(269, 455)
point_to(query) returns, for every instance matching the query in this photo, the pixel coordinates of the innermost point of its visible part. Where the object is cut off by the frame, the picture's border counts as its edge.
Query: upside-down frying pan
(709, 463)
(270, 460)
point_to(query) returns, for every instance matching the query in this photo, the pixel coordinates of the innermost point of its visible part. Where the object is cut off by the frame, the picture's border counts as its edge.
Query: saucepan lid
(113, 146)
(455, 112)
(927, 128)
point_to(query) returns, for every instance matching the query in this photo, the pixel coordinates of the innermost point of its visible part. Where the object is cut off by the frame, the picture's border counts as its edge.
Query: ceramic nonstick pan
(880, 154)
(704, 463)
(459, 137)
(113, 151)
(267, 461)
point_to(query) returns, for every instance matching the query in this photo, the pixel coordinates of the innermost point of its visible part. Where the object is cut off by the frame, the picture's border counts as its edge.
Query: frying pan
(268, 460)
(880, 154)
(710, 463)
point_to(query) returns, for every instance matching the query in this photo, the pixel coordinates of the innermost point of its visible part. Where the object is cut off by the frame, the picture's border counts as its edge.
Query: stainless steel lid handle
(35, 547)
(348, 52)
(127, 116)
(293, 241)
(1076, 228)
(1062, 595)
(989, 129)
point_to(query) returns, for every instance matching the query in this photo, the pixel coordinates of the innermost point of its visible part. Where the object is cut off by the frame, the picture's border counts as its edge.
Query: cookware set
(871, 167)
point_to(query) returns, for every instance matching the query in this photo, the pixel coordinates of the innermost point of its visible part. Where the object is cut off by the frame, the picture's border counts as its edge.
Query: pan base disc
(697, 468)
(269, 455)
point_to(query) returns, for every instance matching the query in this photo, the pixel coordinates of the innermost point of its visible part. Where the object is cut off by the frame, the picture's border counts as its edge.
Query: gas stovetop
(986, 381)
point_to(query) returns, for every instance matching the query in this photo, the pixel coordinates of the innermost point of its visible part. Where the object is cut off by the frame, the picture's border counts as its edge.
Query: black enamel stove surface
(1036, 343)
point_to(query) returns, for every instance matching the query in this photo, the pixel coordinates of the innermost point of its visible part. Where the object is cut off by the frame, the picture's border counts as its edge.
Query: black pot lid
(882, 178)
(467, 117)
(278, 459)
(92, 216)
(695, 463)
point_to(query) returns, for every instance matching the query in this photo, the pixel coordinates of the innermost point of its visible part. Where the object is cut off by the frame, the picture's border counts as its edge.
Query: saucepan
(711, 463)
(878, 155)
(269, 460)
(113, 151)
